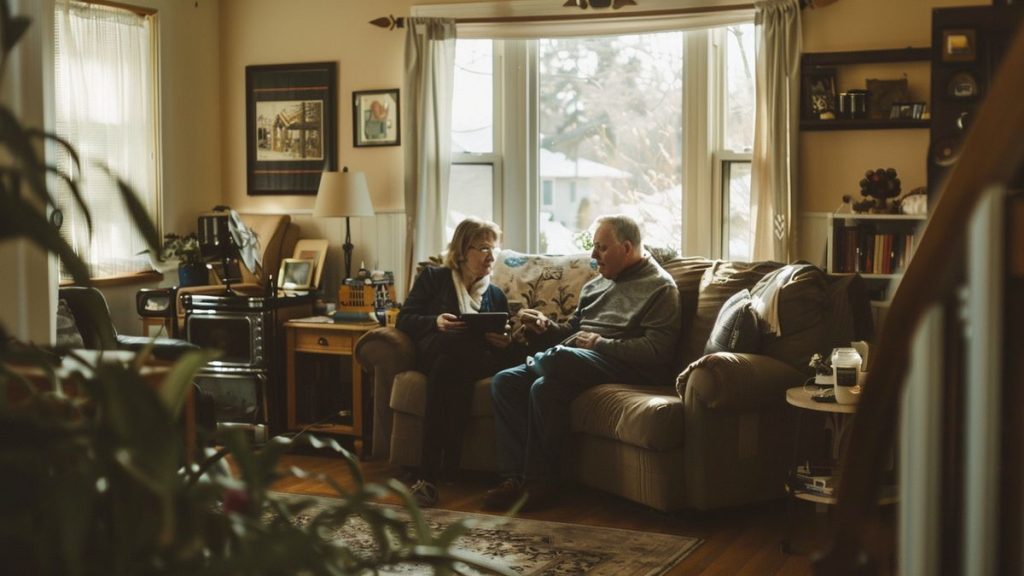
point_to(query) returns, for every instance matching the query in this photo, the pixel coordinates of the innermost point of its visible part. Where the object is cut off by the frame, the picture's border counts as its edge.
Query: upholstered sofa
(723, 435)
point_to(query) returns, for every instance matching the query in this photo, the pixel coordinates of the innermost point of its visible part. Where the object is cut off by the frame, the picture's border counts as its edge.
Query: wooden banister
(992, 153)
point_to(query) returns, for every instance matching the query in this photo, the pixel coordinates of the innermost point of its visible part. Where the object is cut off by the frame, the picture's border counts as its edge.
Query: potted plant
(185, 249)
(93, 483)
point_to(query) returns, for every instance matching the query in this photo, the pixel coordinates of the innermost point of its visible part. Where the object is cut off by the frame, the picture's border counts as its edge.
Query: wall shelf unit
(877, 246)
(812, 62)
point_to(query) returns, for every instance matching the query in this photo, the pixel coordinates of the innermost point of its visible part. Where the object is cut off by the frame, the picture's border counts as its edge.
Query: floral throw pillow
(550, 284)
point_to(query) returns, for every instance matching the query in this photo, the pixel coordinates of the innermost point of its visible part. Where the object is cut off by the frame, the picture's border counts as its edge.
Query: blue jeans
(531, 406)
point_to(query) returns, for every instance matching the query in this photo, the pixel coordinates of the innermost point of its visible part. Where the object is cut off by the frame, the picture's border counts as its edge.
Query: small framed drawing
(819, 94)
(296, 273)
(291, 126)
(375, 118)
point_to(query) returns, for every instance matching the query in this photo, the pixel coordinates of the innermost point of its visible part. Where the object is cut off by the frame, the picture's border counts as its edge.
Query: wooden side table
(335, 339)
(837, 420)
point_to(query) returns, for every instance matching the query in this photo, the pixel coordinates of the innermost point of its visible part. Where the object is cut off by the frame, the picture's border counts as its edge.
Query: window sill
(123, 280)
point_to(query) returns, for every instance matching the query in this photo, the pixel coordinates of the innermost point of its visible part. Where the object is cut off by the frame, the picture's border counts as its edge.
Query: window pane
(471, 193)
(611, 134)
(472, 104)
(104, 107)
(739, 228)
(739, 82)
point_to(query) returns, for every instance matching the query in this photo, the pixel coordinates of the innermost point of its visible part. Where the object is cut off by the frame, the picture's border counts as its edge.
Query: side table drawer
(308, 340)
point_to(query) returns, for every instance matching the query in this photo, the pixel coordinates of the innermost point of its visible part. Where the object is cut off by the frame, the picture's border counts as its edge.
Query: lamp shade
(343, 194)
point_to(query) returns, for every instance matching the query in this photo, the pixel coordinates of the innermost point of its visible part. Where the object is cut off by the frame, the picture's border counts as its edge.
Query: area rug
(539, 547)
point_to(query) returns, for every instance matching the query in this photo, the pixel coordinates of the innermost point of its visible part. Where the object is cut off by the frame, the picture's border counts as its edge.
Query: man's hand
(499, 341)
(587, 340)
(449, 323)
(534, 320)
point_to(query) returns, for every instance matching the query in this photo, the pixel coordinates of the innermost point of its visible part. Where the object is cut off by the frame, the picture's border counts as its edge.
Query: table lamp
(343, 194)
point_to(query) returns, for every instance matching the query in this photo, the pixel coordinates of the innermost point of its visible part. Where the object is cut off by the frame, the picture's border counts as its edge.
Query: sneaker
(425, 493)
(506, 495)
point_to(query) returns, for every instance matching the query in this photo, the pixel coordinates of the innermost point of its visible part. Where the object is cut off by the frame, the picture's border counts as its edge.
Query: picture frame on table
(291, 126)
(376, 118)
(818, 94)
(314, 249)
(296, 273)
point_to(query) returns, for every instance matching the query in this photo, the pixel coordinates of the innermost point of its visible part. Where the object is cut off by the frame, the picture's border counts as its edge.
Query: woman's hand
(534, 320)
(449, 323)
(499, 341)
(587, 340)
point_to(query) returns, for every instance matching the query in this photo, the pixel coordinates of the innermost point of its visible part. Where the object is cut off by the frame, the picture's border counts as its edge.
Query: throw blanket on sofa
(764, 298)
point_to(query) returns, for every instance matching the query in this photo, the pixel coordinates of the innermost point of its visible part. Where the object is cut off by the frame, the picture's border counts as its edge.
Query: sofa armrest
(739, 382)
(387, 351)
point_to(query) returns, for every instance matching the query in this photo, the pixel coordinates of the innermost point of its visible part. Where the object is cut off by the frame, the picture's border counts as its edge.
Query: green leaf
(19, 220)
(11, 28)
(176, 385)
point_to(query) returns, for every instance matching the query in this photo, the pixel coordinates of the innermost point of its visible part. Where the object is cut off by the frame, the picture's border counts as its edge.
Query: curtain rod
(390, 22)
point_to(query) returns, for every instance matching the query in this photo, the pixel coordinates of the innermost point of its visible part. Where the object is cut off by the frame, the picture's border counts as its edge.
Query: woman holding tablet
(447, 351)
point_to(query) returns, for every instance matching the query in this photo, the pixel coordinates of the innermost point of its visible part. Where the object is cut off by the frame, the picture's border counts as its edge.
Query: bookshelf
(876, 246)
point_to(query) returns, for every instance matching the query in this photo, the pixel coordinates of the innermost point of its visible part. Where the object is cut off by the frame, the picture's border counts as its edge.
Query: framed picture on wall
(375, 118)
(291, 126)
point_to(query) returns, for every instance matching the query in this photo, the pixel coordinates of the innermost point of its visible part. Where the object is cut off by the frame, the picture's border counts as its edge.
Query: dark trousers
(531, 406)
(452, 364)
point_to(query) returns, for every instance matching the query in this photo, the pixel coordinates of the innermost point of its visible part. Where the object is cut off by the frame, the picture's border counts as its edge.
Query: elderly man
(624, 330)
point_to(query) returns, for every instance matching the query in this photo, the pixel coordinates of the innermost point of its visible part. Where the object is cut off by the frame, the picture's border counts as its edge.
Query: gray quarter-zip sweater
(637, 314)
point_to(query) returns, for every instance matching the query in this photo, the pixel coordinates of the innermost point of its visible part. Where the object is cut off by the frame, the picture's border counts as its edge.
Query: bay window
(550, 132)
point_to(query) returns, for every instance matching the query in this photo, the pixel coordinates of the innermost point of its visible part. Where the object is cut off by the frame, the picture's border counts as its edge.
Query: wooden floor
(742, 541)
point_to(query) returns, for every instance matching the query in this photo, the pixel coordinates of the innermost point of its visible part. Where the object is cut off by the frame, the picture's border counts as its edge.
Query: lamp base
(347, 247)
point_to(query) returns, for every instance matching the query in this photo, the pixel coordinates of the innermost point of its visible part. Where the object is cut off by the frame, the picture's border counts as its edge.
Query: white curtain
(429, 77)
(105, 108)
(773, 166)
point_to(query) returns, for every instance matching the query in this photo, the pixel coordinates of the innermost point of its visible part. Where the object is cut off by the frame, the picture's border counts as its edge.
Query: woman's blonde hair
(468, 232)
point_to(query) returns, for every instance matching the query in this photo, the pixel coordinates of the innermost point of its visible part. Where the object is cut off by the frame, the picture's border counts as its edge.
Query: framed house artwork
(375, 118)
(291, 126)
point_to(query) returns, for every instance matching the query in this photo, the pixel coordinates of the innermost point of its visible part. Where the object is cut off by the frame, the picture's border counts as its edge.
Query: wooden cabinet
(335, 340)
(813, 63)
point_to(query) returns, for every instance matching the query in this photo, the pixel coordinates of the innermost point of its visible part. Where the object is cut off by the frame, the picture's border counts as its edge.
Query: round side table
(836, 421)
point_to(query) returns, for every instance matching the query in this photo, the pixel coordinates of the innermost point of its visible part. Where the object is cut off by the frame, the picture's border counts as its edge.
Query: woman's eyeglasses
(486, 250)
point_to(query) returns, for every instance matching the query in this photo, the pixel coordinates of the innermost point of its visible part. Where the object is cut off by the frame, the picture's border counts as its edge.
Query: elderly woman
(452, 356)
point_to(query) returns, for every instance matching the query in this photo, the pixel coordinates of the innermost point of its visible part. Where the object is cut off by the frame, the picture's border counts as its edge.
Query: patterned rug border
(687, 543)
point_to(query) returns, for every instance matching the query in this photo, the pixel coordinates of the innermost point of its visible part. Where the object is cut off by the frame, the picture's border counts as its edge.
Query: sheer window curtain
(105, 108)
(773, 165)
(429, 80)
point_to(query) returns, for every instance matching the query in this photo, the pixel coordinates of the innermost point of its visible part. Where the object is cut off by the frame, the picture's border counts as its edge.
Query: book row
(868, 252)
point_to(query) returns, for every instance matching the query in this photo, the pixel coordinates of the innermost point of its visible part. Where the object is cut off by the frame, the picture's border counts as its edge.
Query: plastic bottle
(845, 366)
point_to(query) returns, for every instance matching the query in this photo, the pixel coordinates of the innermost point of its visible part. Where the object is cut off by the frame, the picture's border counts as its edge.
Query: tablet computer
(485, 321)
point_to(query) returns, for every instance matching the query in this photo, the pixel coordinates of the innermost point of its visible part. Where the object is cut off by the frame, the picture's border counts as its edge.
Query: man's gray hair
(624, 227)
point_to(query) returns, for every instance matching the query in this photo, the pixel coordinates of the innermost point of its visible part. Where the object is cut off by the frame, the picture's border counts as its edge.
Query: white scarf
(470, 299)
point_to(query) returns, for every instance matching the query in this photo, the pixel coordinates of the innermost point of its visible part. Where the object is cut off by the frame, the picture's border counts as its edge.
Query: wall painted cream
(832, 163)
